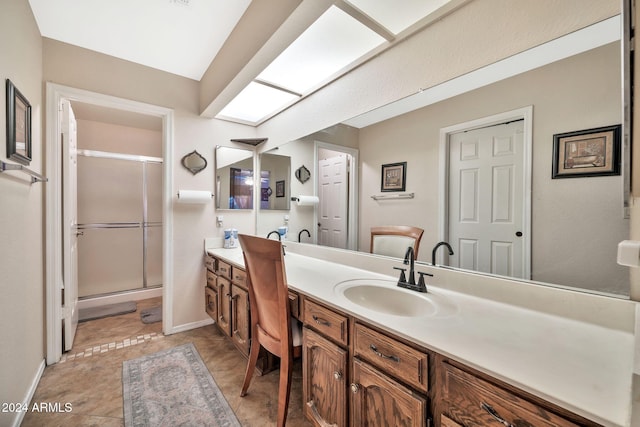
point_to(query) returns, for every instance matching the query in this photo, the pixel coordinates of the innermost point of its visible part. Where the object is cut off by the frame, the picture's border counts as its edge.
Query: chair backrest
(393, 240)
(268, 292)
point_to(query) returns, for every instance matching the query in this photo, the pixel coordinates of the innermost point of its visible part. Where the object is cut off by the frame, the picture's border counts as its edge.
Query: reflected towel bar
(393, 196)
(35, 177)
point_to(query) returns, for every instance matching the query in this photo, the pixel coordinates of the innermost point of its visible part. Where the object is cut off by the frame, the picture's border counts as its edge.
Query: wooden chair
(272, 326)
(393, 240)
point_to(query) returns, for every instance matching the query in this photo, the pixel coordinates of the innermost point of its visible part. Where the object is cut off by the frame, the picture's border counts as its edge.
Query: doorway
(486, 194)
(337, 190)
(57, 311)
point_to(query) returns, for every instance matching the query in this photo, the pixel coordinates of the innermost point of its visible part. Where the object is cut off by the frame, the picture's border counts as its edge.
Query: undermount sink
(383, 296)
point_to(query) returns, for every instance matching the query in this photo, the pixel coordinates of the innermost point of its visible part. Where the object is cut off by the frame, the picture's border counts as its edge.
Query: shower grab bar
(109, 225)
(35, 177)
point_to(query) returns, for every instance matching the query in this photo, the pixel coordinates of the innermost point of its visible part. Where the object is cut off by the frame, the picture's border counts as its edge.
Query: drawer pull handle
(337, 375)
(314, 411)
(321, 321)
(355, 388)
(384, 356)
(495, 414)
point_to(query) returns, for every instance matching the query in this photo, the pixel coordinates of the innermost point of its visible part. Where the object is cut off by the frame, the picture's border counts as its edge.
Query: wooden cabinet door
(240, 318)
(324, 380)
(224, 305)
(211, 302)
(377, 400)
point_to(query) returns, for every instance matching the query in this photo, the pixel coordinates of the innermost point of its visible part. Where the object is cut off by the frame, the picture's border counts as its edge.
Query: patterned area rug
(173, 388)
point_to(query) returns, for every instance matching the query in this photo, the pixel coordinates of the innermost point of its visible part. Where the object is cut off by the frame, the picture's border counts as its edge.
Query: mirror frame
(193, 155)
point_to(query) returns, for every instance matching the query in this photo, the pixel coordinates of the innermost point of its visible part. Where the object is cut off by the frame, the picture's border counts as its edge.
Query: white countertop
(581, 366)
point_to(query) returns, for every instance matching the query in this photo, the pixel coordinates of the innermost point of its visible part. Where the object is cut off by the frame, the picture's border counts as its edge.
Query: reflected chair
(393, 240)
(272, 326)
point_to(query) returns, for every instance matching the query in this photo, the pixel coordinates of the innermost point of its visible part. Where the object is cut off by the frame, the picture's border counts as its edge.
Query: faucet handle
(421, 282)
(402, 279)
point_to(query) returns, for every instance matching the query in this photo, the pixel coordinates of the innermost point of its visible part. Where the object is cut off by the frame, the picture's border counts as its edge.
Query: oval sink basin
(383, 296)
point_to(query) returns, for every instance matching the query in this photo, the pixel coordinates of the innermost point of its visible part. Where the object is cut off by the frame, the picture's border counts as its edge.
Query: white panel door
(486, 200)
(333, 207)
(70, 224)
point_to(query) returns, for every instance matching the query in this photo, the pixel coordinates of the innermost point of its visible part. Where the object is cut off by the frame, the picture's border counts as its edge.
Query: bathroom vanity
(375, 354)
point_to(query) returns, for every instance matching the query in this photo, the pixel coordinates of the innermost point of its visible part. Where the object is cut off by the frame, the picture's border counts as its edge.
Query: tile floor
(89, 378)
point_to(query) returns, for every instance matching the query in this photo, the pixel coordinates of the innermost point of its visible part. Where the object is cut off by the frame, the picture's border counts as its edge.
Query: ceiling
(177, 36)
(183, 37)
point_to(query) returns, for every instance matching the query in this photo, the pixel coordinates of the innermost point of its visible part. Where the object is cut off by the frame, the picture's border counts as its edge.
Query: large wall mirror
(234, 178)
(275, 180)
(575, 224)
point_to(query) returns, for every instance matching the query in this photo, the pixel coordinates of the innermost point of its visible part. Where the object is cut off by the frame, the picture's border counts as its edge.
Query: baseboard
(26, 403)
(189, 326)
(120, 297)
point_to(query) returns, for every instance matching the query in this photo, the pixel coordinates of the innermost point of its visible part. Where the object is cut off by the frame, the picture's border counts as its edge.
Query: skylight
(331, 44)
(398, 16)
(255, 102)
(339, 40)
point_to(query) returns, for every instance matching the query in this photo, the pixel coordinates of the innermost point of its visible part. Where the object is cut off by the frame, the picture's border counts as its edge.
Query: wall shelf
(393, 196)
(35, 177)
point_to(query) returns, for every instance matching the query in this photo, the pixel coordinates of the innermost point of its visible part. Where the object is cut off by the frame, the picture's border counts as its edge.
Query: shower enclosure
(119, 223)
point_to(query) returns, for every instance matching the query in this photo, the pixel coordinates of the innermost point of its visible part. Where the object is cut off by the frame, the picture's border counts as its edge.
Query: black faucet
(300, 233)
(433, 253)
(411, 284)
(274, 231)
(409, 258)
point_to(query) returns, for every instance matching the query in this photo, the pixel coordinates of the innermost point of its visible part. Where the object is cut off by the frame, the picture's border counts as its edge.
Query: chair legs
(284, 389)
(251, 366)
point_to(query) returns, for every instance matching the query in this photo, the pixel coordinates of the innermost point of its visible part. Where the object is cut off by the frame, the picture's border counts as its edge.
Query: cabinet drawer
(211, 279)
(210, 262)
(401, 361)
(326, 321)
(294, 304)
(473, 401)
(239, 277)
(448, 422)
(224, 269)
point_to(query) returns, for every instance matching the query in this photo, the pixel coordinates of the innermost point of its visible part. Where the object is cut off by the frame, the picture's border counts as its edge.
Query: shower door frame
(55, 93)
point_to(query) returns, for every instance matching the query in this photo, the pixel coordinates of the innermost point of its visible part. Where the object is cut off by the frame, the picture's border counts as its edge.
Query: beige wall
(581, 92)
(113, 138)
(21, 216)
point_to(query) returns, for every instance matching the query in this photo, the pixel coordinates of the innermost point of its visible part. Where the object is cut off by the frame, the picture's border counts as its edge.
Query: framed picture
(18, 125)
(394, 177)
(280, 188)
(591, 152)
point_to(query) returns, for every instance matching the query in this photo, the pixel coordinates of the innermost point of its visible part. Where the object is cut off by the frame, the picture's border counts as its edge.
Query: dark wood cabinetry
(370, 393)
(471, 399)
(378, 400)
(324, 380)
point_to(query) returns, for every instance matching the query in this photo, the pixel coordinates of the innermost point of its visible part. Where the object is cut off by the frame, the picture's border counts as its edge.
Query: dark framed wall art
(590, 152)
(18, 125)
(394, 177)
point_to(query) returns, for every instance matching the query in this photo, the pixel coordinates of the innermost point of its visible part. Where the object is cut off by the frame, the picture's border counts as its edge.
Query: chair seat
(296, 332)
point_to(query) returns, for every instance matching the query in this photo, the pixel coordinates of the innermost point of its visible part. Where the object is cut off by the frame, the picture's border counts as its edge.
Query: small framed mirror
(194, 162)
(303, 174)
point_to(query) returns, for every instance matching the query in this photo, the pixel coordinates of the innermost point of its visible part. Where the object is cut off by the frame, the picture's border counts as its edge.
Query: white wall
(21, 217)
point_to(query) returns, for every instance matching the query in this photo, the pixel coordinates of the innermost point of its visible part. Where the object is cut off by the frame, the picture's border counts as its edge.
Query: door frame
(526, 114)
(352, 206)
(53, 205)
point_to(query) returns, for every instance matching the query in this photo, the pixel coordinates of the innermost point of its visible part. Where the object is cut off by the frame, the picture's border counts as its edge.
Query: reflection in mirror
(575, 224)
(234, 178)
(275, 177)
